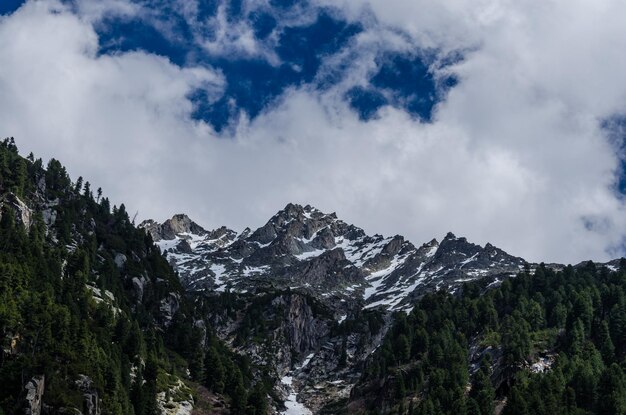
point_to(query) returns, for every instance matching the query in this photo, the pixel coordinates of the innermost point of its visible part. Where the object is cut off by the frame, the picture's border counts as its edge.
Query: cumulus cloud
(121, 121)
(515, 155)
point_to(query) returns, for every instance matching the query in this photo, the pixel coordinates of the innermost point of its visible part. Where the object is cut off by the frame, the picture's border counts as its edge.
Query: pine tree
(238, 393)
(606, 344)
(516, 404)
(577, 338)
(483, 392)
(515, 339)
(403, 348)
(612, 391)
(150, 387)
(79, 185)
(214, 369)
(257, 401)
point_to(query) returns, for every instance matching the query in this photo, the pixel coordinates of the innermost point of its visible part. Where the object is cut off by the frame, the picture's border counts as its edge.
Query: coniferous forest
(88, 303)
(472, 354)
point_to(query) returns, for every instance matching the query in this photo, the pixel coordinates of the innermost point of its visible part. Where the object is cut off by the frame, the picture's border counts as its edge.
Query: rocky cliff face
(34, 395)
(310, 353)
(22, 212)
(91, 402)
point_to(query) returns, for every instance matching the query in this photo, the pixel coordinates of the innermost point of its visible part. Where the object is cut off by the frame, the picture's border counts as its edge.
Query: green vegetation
(576, 316)
(70, 303)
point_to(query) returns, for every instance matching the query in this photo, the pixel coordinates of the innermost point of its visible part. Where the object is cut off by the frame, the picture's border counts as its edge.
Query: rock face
(176, 401)
(303, 248)
(179, 225)
(168, 307)
(22, 212)
(288, 333)
(139, 285)
(91, 404)
(34, 395)
(302, 329)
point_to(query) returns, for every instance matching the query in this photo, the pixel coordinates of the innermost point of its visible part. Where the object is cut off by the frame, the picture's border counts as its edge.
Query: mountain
(305, 249)
(337, 287)
(314, 299)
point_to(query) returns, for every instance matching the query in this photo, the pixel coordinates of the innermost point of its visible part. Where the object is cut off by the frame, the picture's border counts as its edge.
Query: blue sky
(409, 117)
(300, 46)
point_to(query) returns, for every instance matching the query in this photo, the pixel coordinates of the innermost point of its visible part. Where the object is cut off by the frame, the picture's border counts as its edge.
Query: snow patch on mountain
(293, 407)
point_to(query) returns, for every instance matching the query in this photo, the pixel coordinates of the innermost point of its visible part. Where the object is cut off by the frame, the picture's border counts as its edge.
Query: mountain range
(304, 249)
(305, 315)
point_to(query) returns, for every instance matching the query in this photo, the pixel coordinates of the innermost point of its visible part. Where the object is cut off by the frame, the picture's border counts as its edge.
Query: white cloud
(121, 121)
(515, 155)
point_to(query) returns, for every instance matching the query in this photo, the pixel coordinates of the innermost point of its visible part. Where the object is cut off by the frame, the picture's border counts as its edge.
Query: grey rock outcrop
(181, 224)
(168, 307)
(302, 328)
(91, 403)
(34, 395)
(23, 213)
(139, 285)
(120, 260)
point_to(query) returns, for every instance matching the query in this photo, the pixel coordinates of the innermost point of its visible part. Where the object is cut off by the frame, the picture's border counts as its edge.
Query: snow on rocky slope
(305, 249)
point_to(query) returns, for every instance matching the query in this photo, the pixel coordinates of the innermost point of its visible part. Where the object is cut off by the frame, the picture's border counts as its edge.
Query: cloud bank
(517, 153)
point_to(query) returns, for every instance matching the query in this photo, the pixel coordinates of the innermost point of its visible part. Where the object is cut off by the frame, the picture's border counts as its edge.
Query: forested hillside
(92, 318)
(541, 343)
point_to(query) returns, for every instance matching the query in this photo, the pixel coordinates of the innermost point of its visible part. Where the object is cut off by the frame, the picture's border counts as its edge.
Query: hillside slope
(92, 318)
(542, 343)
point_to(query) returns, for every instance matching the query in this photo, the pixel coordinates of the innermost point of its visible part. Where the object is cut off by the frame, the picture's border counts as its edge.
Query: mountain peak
(180, 223)
(295, 211)
(295, 221)
(450, 237)
(291, 209)
(181, 228)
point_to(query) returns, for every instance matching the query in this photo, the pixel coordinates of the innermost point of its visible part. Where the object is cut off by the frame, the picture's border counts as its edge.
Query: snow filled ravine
(293, 406)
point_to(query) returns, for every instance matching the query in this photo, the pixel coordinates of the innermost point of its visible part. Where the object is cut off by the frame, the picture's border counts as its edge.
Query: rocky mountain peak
(294, 212)
(181, 223)
(290, 211)
(429, 249)
(295, 222)
(433, 243)
(301, 247)
(453, 245)
(183, 235)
